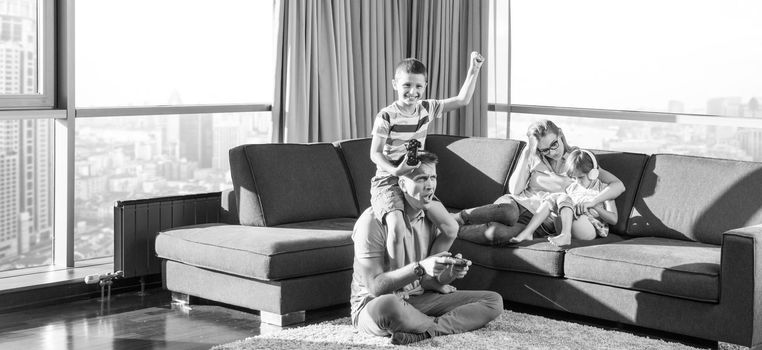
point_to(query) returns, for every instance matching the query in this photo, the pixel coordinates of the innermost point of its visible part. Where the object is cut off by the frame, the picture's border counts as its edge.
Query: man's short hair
(411, 66)
(427, 157)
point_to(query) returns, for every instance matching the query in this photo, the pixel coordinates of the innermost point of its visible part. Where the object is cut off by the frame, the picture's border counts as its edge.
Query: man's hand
(456, 269)
(476, 62)
(435, 264)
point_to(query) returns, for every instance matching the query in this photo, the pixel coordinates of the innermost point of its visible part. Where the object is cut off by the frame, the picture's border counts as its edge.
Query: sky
(583, 53)
(603, 53)
(140, 52)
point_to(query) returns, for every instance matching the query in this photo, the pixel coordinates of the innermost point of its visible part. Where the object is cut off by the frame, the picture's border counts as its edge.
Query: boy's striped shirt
(398, 128)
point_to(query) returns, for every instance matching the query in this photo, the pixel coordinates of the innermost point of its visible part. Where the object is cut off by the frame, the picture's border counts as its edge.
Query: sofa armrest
(741, 282)
(228, 207)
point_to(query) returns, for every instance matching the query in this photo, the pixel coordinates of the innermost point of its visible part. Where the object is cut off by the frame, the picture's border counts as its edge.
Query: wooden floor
(132, 321)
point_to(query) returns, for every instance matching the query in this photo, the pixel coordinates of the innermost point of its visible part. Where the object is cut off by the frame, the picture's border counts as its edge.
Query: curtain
(335, 62)
(444, 33)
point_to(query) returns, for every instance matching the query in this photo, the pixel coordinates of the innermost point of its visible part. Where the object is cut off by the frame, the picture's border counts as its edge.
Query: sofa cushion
(473, 171)
(265, 253)
(361, 169)
(628, 167)
(695, 198)
(651, 264)
(537, 256)
(345, 224)
(282, 183)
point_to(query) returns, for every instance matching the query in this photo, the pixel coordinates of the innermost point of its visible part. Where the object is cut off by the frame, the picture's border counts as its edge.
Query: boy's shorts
(385, 196)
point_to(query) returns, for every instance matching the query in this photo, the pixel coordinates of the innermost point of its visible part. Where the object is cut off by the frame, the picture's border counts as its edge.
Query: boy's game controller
(412, 152)
(412, 147)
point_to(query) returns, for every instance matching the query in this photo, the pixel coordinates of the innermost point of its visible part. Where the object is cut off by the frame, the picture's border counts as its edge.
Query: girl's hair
(542, 127)
(578, 161)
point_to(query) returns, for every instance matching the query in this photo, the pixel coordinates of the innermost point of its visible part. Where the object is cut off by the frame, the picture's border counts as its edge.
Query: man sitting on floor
(415, 301)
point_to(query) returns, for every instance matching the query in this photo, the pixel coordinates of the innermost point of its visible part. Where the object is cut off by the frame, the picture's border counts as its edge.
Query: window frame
(46, 30)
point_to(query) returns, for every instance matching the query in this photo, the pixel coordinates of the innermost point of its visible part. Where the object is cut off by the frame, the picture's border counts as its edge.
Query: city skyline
(26, 180)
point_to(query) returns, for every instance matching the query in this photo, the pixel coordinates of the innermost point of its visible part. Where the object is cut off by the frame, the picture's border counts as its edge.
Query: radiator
(137, 222)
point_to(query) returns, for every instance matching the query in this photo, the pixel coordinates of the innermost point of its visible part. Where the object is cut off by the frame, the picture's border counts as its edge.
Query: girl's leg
(537, 219)
(566, 216)
(582, 229)
(446, 223)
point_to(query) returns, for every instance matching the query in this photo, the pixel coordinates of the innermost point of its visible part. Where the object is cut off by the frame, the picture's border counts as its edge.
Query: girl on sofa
(540, 172)
(582, 167)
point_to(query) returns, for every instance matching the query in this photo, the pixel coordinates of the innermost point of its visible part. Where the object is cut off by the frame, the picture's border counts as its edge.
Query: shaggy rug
(512, 330)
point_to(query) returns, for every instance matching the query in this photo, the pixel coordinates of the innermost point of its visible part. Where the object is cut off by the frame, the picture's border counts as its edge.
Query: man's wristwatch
(418, 270)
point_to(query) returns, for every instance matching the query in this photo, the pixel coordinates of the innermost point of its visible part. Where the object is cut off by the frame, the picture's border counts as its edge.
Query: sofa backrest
(356, 153)
(696, 198)
(283, 183)
(628, 167)
(473, 171)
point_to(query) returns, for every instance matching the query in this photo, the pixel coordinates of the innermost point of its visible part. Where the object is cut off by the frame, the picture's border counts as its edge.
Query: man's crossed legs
(430, 314)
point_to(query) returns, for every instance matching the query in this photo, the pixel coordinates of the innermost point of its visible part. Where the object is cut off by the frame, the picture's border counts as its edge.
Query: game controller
(412, 147)
(412, 152)
(457, 261)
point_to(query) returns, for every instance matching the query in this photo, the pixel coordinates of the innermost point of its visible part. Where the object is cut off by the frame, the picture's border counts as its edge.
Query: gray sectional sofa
(685, 257)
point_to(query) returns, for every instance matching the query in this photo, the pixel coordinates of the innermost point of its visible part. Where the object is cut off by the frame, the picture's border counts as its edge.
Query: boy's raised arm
(467, 90)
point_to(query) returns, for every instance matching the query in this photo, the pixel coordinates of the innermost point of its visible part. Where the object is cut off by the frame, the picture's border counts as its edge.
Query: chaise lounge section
(685, 257)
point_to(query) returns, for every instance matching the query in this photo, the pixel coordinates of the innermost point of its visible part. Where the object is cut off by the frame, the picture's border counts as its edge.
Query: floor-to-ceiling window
(150, 96)
(649, 76)
(158, 90)
(26, 133)
(144, 70)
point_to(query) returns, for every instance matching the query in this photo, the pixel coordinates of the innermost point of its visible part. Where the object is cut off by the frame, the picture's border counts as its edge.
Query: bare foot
(521, 237)
(445, 288)
(560, 240)
(432, 284)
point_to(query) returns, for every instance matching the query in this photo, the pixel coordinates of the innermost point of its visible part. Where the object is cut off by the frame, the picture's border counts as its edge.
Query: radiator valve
(103, 279)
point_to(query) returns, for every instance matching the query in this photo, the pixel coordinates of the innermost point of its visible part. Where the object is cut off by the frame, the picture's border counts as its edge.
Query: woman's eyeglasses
(553, 146)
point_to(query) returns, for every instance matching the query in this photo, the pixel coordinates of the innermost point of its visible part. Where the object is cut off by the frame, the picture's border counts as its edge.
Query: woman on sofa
(540, 171)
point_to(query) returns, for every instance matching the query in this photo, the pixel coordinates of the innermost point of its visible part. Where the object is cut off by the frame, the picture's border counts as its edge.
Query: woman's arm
(612, 191)
(607, 212)
(517, 183)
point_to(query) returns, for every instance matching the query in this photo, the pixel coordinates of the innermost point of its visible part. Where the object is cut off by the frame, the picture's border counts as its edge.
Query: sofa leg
(181, 301)
(282, 320)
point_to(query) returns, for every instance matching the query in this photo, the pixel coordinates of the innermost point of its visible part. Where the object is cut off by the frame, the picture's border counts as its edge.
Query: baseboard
(42, 295)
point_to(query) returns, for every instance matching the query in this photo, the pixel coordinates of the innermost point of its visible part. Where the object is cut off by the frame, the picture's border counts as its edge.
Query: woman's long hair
(542, 127)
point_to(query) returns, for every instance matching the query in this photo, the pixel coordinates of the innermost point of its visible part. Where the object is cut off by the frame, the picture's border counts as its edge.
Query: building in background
(26, 180)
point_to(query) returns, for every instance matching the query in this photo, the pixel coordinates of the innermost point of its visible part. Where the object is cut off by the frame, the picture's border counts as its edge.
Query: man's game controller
(457, 261)
(412, 152)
